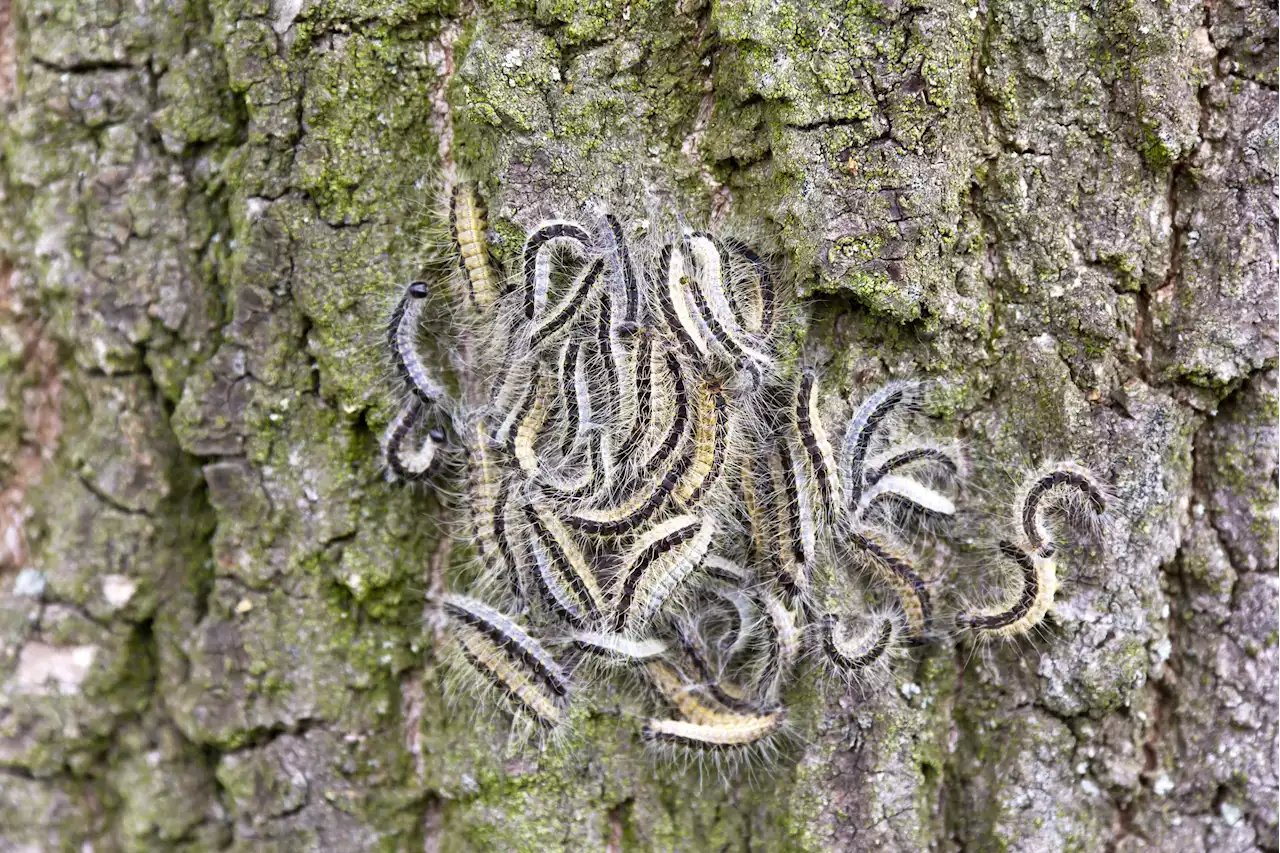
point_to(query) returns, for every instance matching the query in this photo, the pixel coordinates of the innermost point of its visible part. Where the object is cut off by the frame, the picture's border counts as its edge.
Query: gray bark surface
(211, 599)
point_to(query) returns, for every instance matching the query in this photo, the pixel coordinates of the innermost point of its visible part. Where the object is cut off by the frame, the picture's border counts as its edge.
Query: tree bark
(211, 599)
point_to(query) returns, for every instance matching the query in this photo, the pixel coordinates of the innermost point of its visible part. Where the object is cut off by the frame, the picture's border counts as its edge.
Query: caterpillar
(857, 654)
(500, 651)
(537, 280)
(468, 223)
(413, 463)
(402, 333)
(655, 566)
(1068, 489)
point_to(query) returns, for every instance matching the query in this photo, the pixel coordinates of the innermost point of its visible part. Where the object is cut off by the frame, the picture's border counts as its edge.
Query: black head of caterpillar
(656, 486)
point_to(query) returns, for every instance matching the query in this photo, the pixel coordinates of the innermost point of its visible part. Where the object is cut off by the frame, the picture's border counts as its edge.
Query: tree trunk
(212, 627)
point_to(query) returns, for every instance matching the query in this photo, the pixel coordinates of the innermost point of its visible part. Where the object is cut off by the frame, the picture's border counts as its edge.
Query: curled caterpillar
(1055, 493)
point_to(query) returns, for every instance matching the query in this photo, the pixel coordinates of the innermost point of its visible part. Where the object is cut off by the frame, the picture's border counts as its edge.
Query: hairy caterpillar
(500, 651)
(1061, 488)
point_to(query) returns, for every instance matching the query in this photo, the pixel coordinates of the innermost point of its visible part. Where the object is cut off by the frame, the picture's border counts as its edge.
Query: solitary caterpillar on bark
(652, 482)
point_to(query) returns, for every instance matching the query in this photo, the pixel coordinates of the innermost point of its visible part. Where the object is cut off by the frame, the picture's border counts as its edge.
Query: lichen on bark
(211, 601)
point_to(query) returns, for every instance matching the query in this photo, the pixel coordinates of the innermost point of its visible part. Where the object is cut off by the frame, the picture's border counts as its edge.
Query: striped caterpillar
(652, 486)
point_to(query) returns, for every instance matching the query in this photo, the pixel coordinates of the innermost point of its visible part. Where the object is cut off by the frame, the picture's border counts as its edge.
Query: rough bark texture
(211, 630)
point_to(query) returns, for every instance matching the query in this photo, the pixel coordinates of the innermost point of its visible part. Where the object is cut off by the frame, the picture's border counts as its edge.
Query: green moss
(370, 94)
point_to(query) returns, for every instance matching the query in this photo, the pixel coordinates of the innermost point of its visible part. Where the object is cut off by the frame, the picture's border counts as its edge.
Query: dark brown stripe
(804, 424)
(604, 349)
(1026, 598)
(669, 309)
(708, 316)
(653, 552)
(792, 501)
(874, 475)
(561, 561)
(644, 390)
(859, 453)
(533, 245)
(720, 413)
(526, 406)
(710, 680)
(511, 648)
(900, 568)
(505, 552)
(681, 415)
(569, 396)
(396, 441)
(628, 274)
(643, 511)
(570, 307)
(492, 677)
(863, 659)
(1031, 507)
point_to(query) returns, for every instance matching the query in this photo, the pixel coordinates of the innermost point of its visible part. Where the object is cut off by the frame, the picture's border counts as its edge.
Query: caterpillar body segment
(725, 695)
(725, 732)
(413, 458)
(758, 312)
(722, 569)
(817, 447)
(563, 571)
(640, 506)
(1063, 488)
(536, 246)
(712, 436)
(641, 390)
(948, 460)
(575, 479)
(618, 647)
(559, 318)
(487, 504)
(713, 302)
(859, 655)
(582, 391)
(700, 265)
(1058, 490)
(508, 419)
(1024, 605)
(892, 566)
(514, 380)
(530, 426)
(729, 619)
(754, 506)
(566, 370)
(675, 428)
(674, 303)
(402, 333)
(692, 701)
(892, 490)
(789, 558)
(782, 648)
(617, 253)
(806, 517)
(868, 422)
(467, 224)
(654, 568)
(507, 657)
(687, 699)
(610, 364)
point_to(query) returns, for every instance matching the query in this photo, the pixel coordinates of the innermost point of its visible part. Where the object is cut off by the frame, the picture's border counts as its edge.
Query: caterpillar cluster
(649, 483)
